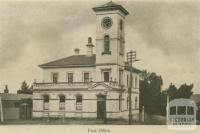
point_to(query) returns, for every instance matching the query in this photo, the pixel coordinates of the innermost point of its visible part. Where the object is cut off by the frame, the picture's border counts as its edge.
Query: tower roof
(110, 6)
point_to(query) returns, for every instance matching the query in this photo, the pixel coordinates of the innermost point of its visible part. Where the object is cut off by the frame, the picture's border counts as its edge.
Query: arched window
(79, 101)
(46, 98)
(62, 98)
(61, 102)
(46, 102)
(106, 44)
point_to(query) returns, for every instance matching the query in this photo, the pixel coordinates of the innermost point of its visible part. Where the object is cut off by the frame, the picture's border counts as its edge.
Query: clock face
(106, 22)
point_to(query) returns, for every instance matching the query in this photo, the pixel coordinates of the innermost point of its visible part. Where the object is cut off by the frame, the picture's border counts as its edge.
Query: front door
(101, 106)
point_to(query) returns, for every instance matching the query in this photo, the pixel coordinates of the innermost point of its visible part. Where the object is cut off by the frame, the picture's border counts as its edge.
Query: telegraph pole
(131, 57)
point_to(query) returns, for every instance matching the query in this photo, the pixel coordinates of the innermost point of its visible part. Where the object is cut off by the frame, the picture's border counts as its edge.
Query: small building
(16, 106)
(196, 98)
(181, 114)
(91, 85)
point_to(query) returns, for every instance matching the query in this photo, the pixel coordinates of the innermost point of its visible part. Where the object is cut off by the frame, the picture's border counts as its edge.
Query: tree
(25, 89)
(172, 92)
(150, 89)
(6, 89)
(163, 102)
(153, 99)
(185, 91)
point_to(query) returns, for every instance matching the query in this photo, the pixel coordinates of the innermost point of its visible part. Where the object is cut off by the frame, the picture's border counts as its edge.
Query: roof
(78, 61)
(182, 102)
(6, 96)
(72, 61)
(134, 69)
(110, 6)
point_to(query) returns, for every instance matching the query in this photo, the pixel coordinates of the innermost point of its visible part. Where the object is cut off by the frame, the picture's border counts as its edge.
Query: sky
(165, 35)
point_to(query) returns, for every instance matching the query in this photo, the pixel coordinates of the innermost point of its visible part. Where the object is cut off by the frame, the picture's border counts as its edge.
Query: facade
(88, 86)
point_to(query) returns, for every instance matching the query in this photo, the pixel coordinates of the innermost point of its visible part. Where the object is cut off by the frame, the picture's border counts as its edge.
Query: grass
(68, 121)
(81, 121)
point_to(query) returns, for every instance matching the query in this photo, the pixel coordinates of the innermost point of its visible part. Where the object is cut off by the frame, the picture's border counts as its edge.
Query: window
(181, 110)
(86, 77)
(79, 101)
(120, 102)
(106, 76)
(46, 99)
(121, 45)
(46, 102)
(61, 102)
(54, 77)
(172, 110)
(70, 77)
(120, 77)
(190, 110)
(106, 44)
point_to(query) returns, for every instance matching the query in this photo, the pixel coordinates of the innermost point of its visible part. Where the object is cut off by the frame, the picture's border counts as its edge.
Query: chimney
(89, 47)
(76, 51)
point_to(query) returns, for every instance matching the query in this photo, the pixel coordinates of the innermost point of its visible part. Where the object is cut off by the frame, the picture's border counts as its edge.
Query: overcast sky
(164, 34)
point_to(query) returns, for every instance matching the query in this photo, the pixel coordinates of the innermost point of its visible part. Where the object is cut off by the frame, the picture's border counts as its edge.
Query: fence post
(143, 114)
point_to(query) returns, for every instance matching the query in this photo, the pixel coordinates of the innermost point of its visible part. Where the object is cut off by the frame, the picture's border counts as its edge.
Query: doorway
(101, 106)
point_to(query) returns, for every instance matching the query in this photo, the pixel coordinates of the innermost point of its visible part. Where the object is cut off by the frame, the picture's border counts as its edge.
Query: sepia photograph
(99, 67)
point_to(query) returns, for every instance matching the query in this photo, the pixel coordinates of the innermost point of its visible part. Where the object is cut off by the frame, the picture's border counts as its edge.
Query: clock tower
(110, 40)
